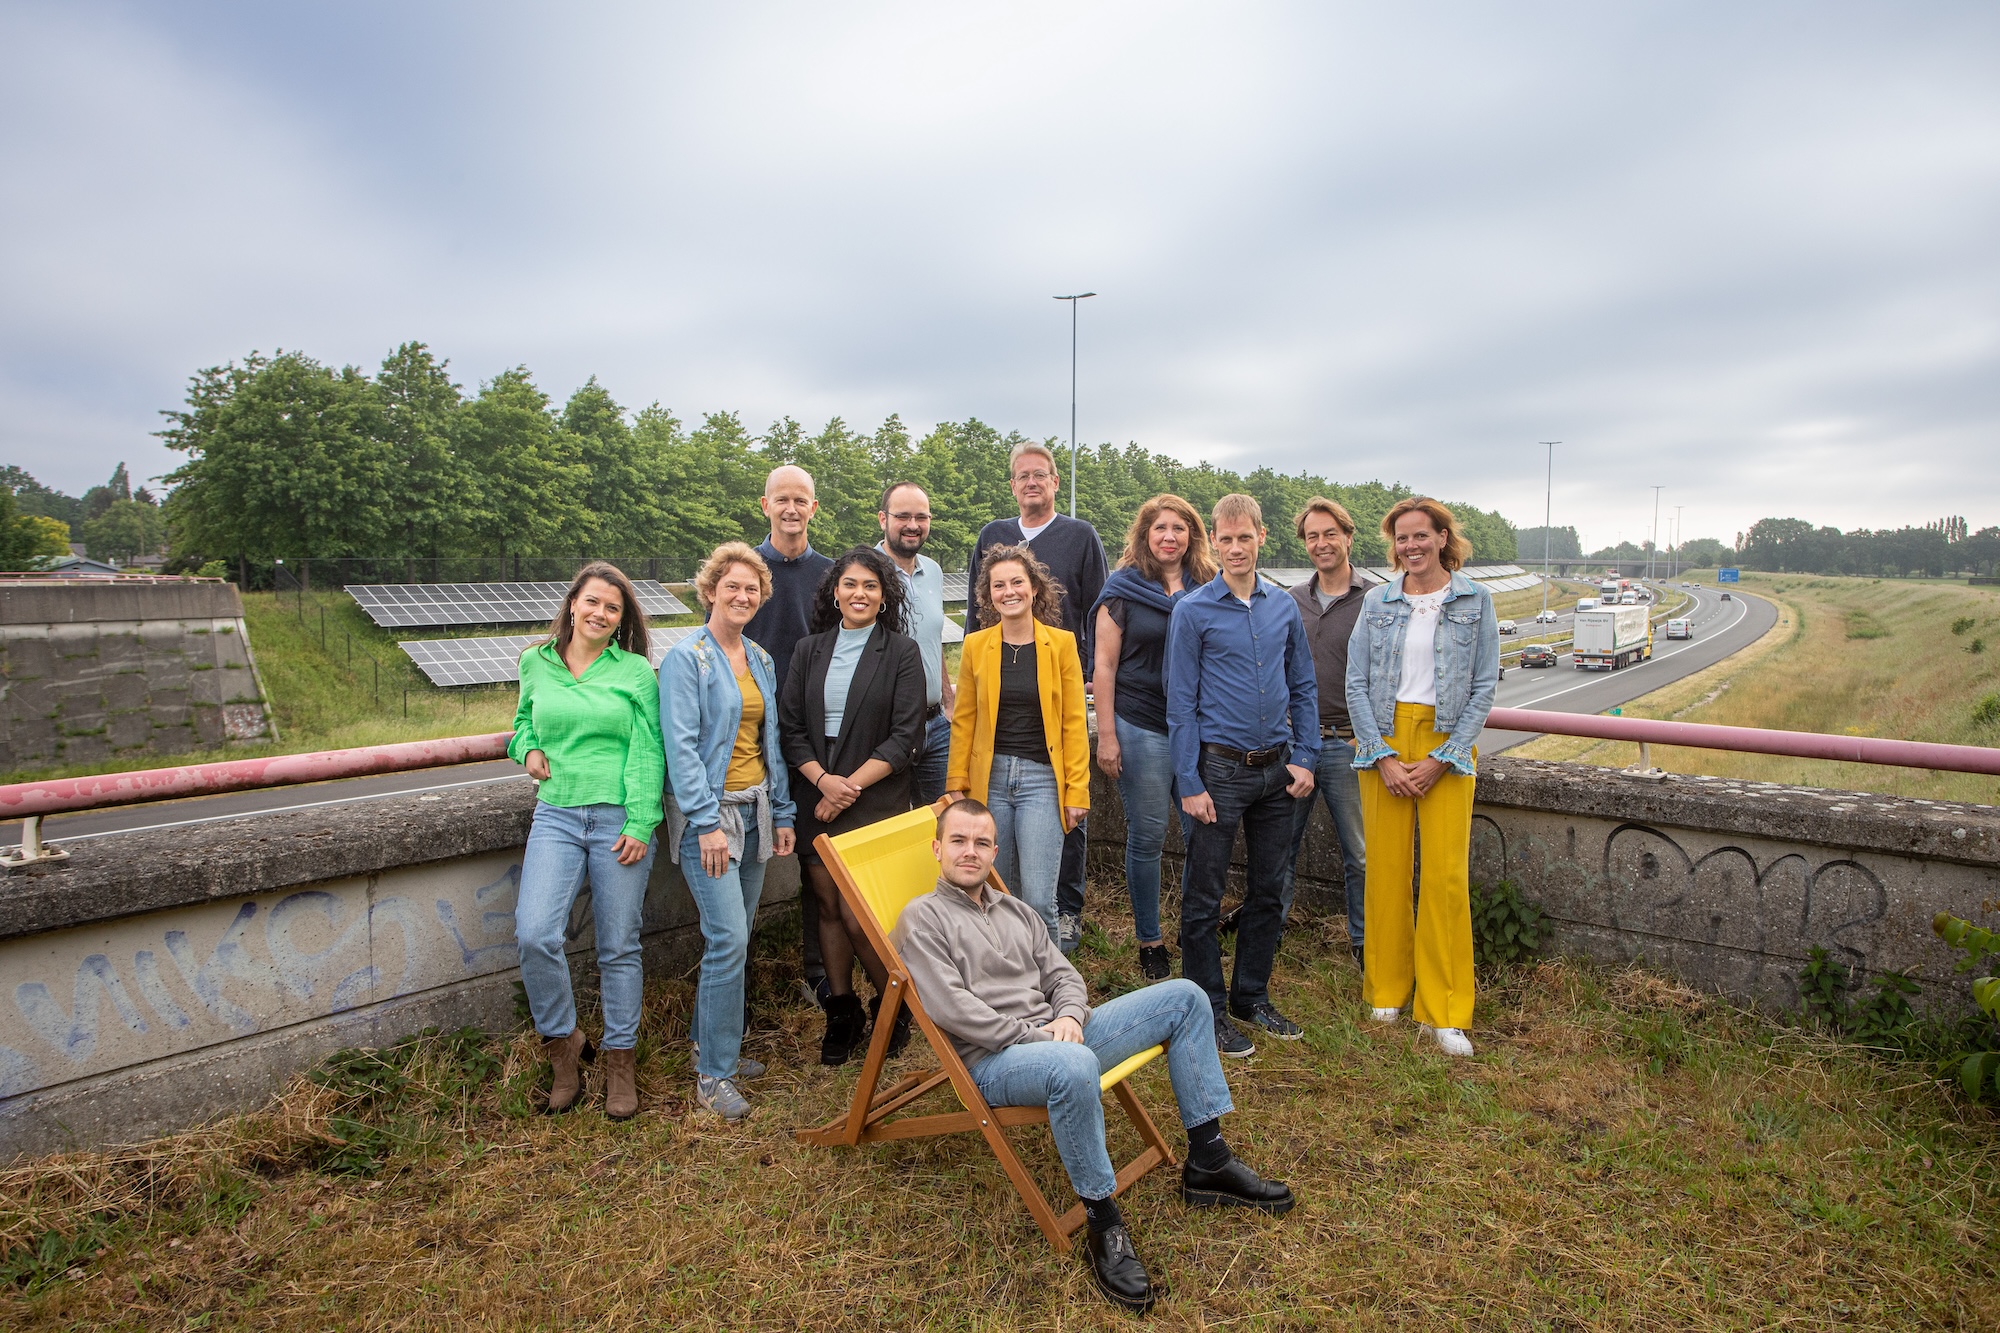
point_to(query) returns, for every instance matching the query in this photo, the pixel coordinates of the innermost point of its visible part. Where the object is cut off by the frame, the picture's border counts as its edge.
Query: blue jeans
(1022, 796)
(1339, 786)
(566, 845)
(1146, 789)
(933, 767)
(1255, 799)
(728, 906)
(1063, 1075)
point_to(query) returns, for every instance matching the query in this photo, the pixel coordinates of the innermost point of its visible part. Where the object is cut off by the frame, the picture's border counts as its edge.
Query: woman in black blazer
(850, 716)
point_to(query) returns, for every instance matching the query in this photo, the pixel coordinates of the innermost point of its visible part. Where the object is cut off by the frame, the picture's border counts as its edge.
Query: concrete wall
(160, 979)
(93, 670)
(1724, 884)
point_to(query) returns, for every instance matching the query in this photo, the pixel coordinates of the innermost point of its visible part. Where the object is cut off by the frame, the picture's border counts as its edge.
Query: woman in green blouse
(588, 730)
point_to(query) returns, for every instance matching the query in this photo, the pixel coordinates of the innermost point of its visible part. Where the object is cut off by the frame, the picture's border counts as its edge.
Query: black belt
(932, 713)
(1248, 758)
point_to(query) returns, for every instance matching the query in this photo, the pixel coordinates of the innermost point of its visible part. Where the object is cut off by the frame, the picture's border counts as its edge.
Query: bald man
(789, 503)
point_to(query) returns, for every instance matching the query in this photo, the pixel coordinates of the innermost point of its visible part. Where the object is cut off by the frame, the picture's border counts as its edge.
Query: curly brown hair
(1048, 593)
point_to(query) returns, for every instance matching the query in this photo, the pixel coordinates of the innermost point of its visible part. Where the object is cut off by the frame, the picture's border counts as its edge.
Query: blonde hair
(1236, 505)
(1319, 504)
(1197, 562)
(718, 563)
(1452, 554)
(1032, 447)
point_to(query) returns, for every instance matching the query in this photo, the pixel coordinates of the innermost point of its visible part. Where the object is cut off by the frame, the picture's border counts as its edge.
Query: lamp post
(1548, 516)
(1656, 533)
(1073, 299)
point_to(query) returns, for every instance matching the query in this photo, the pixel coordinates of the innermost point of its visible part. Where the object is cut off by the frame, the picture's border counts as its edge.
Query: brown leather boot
(565, 1054)
(621, 1083)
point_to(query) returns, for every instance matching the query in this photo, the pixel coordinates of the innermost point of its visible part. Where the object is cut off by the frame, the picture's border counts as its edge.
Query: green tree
(29, 541)
(622, 495)
(1562, 544)
(31, 498)
(527, 495)
(420, 407)
(126, 529)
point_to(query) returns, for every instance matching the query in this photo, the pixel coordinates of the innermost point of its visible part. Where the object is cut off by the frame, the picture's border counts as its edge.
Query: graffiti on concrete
(83, 1001)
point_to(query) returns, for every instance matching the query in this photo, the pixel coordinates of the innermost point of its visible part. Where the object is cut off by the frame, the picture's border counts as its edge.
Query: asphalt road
(1721, 628)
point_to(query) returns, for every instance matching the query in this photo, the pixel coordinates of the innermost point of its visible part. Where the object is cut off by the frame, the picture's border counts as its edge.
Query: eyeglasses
(910, 518)
(1034, 476)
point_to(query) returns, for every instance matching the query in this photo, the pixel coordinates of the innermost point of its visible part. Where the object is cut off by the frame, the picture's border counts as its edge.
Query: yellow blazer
(976, 713)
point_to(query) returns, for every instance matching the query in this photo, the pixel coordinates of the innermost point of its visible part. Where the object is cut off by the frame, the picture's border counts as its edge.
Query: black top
(884, 719)
(1328, 627)
(1140, 693)
(1075, 557)
(1017, 728)
(785, 615)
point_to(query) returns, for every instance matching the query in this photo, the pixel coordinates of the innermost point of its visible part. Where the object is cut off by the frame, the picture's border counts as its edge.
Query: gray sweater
(988, 972)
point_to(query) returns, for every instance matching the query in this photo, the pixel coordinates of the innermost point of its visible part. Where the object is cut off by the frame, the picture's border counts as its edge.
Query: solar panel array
(417, 605)
(955, 586)
(449, 662)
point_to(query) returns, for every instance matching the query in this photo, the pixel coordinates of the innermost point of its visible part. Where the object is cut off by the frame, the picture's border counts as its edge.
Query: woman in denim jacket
(1421, 670)
(729, 805)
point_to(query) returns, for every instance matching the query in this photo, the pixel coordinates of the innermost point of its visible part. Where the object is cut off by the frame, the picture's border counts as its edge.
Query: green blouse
(601, 733)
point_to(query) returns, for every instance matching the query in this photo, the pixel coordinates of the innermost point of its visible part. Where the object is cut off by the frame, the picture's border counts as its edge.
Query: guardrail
(1749, 740)
(30, 801)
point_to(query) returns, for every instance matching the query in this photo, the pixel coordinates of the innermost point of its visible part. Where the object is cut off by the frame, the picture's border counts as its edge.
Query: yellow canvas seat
(881, 869)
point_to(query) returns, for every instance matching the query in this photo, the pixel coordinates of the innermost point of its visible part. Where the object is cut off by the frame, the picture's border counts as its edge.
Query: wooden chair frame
(867, 1119)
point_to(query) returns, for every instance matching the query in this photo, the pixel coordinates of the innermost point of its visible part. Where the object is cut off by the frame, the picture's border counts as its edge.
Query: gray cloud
(1744, 253)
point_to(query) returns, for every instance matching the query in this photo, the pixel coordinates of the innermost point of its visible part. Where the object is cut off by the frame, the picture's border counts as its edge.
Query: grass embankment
(1621, 1154)
(1860, 657)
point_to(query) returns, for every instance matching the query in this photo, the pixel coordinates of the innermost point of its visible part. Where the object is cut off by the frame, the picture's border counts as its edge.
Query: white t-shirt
(1419, 684)
(1029, 534)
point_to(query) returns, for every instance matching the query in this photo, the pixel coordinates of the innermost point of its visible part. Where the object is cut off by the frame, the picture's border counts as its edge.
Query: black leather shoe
(1233, 1185)
(1115, 1266)
(1154, 964)
(1359, 964)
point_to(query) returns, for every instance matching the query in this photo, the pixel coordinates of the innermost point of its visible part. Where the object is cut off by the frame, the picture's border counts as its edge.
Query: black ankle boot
(900, 1036)
(844, 1028)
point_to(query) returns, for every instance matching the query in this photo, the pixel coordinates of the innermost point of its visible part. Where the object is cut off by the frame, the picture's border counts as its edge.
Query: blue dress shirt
(1238, 674)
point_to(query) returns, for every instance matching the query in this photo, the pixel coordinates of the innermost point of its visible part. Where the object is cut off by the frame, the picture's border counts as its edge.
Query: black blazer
(884, 719)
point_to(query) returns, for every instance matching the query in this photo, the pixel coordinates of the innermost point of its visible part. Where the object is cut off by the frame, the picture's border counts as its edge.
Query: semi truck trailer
(1611, 637)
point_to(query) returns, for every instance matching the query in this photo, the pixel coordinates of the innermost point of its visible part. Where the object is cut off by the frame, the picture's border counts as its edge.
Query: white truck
(1611, 637)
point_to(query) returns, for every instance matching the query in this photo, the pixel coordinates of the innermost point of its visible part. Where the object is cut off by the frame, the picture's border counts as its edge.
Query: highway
(1721, 628)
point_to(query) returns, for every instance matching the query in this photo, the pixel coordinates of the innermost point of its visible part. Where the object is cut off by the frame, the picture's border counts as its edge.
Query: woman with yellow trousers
(1019, 739)
(1421, 670)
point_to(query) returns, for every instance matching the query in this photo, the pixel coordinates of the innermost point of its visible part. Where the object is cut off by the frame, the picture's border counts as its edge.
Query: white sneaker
(1385, 1015)
(1452, 1041)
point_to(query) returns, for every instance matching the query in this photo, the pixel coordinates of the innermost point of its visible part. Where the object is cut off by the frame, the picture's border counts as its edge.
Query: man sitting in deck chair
(1018, 1014)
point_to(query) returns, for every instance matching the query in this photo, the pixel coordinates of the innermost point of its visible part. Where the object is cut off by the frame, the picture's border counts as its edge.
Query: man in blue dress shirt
(1243, 730)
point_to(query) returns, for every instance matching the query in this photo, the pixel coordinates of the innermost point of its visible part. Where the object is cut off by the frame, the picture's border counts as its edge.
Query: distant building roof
(73, 566)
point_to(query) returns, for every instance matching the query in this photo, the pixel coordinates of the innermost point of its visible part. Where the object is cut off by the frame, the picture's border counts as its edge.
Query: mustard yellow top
(746, 757)
(1059, 673)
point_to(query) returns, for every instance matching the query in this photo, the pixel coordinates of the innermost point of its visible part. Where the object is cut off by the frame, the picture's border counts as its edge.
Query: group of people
(814, 699)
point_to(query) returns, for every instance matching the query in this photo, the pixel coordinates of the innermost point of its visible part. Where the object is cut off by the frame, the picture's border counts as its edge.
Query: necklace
(1014, 651)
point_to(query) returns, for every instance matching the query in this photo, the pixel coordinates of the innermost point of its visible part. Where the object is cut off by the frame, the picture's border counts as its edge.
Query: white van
(1586, 603)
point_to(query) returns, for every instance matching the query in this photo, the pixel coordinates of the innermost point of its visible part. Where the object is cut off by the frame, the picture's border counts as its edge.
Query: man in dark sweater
(1075, 559)
(1330, 602)
(796, 569)
(1021, 1019)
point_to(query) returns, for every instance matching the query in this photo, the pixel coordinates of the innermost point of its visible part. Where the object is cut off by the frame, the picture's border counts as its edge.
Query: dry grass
(1864, 657)
(1761, 1176)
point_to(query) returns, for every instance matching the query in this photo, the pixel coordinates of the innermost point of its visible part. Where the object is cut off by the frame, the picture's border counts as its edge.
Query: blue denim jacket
(1468, 669)
(700, 709)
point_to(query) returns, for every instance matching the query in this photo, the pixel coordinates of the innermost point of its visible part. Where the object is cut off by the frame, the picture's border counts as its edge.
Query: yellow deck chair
(880, 869)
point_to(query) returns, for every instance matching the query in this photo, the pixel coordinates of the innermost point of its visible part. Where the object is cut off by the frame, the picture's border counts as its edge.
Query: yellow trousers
(1437, 954)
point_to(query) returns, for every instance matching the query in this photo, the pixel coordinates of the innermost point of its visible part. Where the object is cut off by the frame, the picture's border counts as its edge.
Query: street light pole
(1656, 533)
(1548, 516)
(1677, 542)
(1073, 299)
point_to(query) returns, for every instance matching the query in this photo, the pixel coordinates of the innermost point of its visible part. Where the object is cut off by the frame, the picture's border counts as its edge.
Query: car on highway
(1506, 627)
(1539, 655)
(1629, 599)
(1586, 603)
(1547, 618)
(1680, 628)
(1725, 597)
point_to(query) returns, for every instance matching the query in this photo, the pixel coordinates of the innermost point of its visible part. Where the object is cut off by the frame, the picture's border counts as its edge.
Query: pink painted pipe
(163, 784)
(1754, 740)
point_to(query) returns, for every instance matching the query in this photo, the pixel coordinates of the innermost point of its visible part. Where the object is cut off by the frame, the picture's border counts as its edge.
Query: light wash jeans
(566, 845)
(728, 906)
(1146, 789)
(933, 766)
(1022, 796)
(1063, 1075)
(1339, 786)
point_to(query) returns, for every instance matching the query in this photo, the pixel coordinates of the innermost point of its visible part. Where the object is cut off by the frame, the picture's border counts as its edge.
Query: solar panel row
(449, 662)
(412, 605)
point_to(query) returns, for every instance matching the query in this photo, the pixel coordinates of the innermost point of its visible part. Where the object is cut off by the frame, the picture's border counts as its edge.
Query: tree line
(1796, 546)
(291, 459)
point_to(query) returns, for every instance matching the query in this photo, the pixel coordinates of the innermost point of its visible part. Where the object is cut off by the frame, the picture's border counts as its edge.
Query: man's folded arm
(950, 1004)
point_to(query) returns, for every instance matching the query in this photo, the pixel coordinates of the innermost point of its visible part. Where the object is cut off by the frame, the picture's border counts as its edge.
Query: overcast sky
(1746, 251)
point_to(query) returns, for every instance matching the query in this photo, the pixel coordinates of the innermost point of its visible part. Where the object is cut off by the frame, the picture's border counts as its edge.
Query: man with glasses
(905, 517)
(1075, 559)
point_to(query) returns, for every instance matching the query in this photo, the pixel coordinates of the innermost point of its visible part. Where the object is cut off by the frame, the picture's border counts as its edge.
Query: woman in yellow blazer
(1019, 742)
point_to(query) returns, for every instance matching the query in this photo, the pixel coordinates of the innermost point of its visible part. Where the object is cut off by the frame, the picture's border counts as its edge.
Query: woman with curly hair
(1019, 741)
(1166, 553)
(851, 716)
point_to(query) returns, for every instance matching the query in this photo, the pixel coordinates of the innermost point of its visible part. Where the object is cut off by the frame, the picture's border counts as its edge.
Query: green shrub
(1962, 624)
(213, 569)
(1987, 711)
(1883, 1018)
(1976, 647)
(1978, 1070)
(1506, 929)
